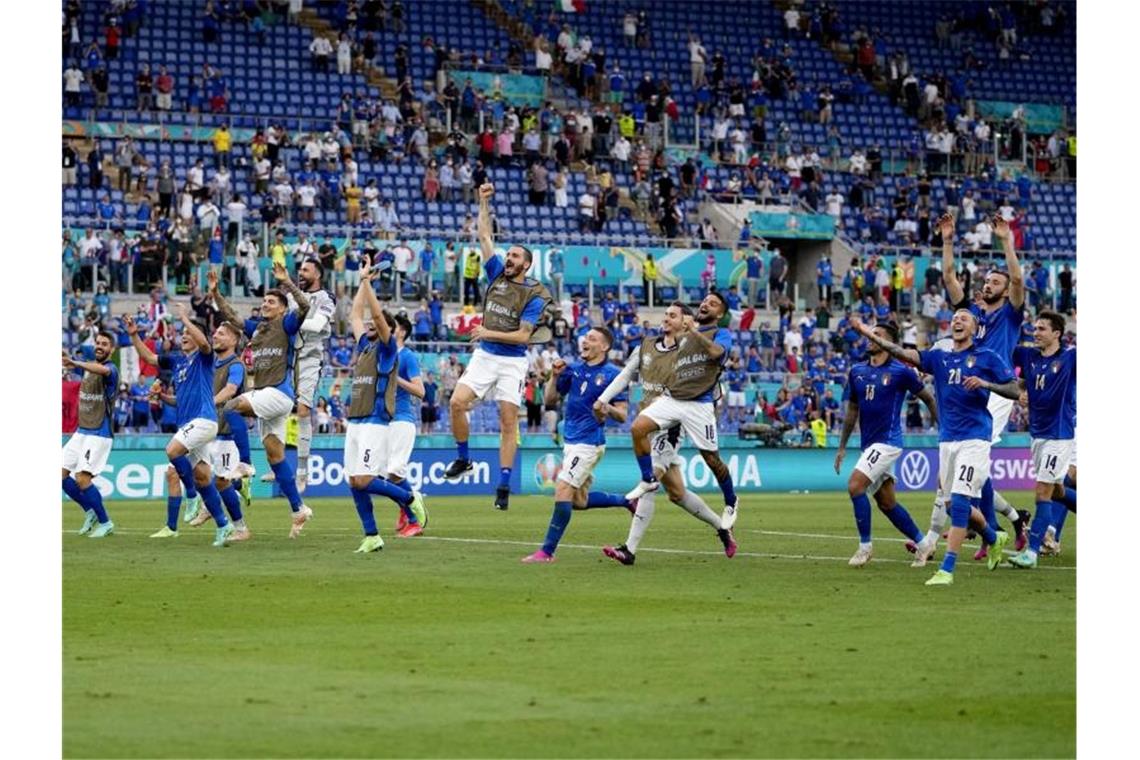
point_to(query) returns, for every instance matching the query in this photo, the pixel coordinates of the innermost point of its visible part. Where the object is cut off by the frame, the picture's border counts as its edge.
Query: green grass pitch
(445, 645)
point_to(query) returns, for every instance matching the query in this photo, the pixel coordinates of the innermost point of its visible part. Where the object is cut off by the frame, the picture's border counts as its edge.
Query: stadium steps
(311, 20)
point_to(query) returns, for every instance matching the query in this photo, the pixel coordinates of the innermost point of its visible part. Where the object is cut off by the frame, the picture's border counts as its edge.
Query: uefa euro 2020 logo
(546, 470)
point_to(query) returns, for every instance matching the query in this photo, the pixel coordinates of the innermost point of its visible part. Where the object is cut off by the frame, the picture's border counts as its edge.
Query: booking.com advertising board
(140, 473)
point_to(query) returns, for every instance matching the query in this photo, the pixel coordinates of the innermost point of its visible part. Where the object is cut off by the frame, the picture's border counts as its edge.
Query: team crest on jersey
(971, 361)
(886, 379)
(1056, 366)
(598, 379)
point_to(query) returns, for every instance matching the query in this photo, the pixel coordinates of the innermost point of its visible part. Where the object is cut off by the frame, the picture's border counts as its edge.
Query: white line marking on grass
(654, 550)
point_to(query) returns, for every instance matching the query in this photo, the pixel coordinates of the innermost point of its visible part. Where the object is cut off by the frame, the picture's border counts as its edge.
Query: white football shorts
(506, 375)
(578, 461)
(86, 453)
(878, 463)
(965, 465)
(364, 449)
(697, 419)
(1051, 459)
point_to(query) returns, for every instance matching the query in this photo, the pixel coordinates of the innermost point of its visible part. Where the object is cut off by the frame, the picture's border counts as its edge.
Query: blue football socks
(396, 493)
(92, 499)
(1041, 518)
(727, 488)
(71, 488)
(504, 477)
(903, 522)
(240, 434)
(232, 500)
(173, 505)
(862, 506)
(645, 464)
(213, 501)
(987, 504)
(563, 511)
(464, 453)
(363, 504)
(601, 499)
(286, 482)
(185, 472)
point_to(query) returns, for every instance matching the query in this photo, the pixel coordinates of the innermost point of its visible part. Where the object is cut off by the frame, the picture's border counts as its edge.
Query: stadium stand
(243, 66)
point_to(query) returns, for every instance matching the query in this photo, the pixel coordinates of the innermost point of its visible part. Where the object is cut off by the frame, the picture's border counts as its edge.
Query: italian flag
(570, 6)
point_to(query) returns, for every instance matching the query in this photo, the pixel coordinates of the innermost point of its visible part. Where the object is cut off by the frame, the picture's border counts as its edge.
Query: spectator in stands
(555, 268)
(1066, 282)
(588, 210)
(72, 81)
(320, 49)
(472, 264)
(824, 279)
(344, 55)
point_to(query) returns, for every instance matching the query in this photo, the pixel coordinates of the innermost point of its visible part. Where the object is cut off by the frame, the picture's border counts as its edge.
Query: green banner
(1040, 118)
(516, 89)
(801, 226)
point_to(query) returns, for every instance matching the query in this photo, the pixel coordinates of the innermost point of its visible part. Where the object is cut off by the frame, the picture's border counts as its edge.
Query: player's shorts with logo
(999, 408)
(197, 435)
(665, 447)
(697, 419)
(224, 458)
(401, 439)
(272, 407)
(365, 449)
(307, 376)
(1051, 458)
(878, 463)
(505, 375)
(84, 452)
(964, 465)
(578, 461)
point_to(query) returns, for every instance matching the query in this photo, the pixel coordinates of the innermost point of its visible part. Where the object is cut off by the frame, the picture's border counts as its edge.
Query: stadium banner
(775, 470)
(1040, 118)
(516, 89)
(801, 226)
(140, 473)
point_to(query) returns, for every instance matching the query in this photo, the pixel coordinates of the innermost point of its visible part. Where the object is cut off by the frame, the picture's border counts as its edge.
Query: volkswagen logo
(914, 470)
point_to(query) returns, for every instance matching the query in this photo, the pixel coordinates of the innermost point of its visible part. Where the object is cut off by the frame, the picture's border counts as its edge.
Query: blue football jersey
(998, 331)
(880, 393)
(1051, 383)
(194, 388)
(409, 370)
(962, 413)
(581, 384)
(235, 376)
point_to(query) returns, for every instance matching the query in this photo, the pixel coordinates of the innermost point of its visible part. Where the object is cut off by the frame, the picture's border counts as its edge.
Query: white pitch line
(654, 550)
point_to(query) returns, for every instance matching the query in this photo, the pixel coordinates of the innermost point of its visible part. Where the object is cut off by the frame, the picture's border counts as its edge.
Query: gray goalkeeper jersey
(309, 343)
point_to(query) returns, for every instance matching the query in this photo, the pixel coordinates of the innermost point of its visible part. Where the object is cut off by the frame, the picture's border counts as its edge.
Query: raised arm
(144, 350)
(849, 421)
(483, 228)
(949, 274)
(200, 340)
(356, 315)
(94, 367)
(223, 305)
(908, 355)
(383, 331)
(282, 276)
(1016, 277)
(550, 393)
